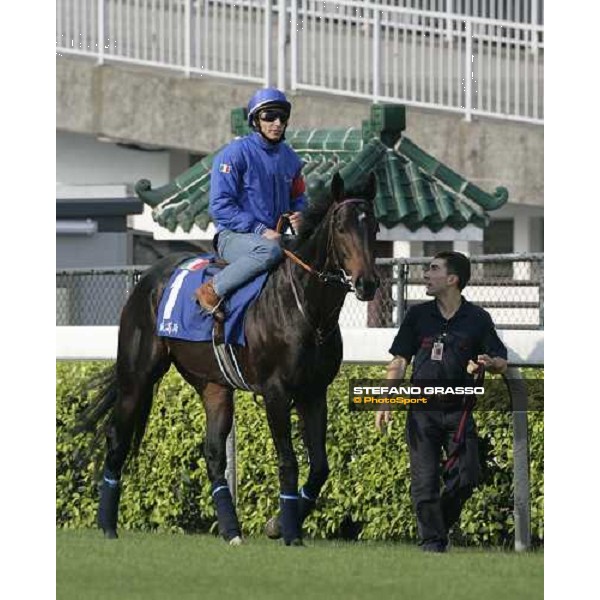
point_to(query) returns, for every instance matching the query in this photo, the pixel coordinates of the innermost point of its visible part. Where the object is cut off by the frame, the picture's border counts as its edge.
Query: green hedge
(366, 496)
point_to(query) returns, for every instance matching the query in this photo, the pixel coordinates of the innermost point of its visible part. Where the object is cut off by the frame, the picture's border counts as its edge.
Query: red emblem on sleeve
(298, 186)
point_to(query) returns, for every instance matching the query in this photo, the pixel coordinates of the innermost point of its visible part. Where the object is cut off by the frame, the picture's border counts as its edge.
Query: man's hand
(271, 234)
(395, 370)
(296, 220)
(382, 418)
(493, 365)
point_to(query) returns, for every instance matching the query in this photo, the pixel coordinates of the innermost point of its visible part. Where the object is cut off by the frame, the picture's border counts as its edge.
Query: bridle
(337, 275)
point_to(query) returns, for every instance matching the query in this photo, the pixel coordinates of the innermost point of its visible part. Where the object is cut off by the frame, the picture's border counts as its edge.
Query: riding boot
(108, 508)
(229, 526)
(209, 300)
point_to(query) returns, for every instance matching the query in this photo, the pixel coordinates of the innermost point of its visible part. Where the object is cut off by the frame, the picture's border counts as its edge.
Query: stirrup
(216, 307)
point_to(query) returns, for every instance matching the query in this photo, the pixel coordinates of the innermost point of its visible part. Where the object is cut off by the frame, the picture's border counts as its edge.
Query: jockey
(254, 180)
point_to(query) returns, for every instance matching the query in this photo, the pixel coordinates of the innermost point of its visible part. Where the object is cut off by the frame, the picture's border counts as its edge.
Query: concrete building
(121, 118)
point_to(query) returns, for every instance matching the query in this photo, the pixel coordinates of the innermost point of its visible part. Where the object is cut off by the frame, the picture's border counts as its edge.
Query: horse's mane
(312, 216)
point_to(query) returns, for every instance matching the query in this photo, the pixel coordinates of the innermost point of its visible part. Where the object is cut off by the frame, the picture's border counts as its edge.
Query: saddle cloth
(180, 316)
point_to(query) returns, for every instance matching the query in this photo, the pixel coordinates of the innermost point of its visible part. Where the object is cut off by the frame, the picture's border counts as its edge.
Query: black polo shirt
(467, 334)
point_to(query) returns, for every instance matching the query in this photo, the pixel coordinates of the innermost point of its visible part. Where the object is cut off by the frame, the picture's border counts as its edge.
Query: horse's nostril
(365, 288)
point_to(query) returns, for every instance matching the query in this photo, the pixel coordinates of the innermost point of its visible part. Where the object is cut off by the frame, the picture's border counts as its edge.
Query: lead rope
(459, 435)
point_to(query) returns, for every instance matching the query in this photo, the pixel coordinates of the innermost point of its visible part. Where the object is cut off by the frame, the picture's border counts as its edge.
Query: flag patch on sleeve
(224, 168)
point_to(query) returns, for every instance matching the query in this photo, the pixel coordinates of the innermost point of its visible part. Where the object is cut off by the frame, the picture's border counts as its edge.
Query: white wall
(83, 160)
(360, 345)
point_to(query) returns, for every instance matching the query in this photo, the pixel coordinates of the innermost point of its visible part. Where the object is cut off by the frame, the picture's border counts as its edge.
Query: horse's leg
(278, 415)
(313, 415)
(218, 404)
(312, 411)
(135, 391)
(118, 440)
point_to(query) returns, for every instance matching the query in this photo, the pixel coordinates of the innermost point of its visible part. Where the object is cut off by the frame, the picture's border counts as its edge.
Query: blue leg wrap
(289, 517)
(108, 508)
(306, 505)
(229, 526)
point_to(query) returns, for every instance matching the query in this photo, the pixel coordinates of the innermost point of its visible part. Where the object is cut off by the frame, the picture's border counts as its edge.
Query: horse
(292, 354)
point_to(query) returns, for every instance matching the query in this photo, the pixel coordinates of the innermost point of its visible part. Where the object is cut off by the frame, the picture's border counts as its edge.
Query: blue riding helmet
(264, 98)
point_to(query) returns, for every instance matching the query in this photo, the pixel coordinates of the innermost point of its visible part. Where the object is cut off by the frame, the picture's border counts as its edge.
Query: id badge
(437, 351)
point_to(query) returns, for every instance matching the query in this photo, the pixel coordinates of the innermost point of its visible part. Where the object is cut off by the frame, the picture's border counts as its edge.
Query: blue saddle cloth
(180, 316)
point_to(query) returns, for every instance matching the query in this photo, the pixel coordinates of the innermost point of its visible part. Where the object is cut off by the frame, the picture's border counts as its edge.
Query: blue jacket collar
(258, 139)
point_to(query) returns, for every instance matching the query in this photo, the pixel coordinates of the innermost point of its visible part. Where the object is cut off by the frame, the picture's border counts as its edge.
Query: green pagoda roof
(413, 188)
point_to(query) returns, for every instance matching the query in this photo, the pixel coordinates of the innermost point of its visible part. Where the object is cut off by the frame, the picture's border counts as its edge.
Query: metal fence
(204, 37)
(471, 65)
(93, 296)
(468, 56)
(510, 287)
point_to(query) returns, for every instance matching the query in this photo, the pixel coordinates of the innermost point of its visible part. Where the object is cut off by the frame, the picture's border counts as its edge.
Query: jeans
(249, 254)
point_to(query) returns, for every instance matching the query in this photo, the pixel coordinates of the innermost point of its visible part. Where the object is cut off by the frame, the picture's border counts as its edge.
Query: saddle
(180, 317)
(206, 295)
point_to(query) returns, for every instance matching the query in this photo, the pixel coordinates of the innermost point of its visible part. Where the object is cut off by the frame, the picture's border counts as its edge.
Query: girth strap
(228, 364)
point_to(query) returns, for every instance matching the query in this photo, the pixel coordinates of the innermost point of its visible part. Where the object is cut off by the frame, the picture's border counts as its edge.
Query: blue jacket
(253, 183)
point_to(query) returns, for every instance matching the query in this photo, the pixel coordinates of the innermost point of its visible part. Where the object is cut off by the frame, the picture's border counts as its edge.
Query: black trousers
(428, 432)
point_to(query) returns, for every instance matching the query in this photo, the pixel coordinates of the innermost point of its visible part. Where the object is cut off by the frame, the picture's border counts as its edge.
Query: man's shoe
(209, 300)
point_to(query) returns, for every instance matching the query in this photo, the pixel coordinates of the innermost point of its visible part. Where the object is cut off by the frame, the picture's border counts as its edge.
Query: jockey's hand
(296, 220)
(271, 234)
(382, 418)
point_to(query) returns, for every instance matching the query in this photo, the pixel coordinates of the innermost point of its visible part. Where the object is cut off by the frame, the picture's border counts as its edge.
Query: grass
(157, 566)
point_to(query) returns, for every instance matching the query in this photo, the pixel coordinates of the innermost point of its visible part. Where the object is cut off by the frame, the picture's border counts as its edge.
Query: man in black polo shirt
(450, 339)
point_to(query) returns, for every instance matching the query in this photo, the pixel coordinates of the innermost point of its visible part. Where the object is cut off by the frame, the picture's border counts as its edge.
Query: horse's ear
(371, 191)
(337, 187)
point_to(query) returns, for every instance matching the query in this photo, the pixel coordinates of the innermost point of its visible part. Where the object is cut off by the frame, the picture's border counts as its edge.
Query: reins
(338, 276)
(319, 335)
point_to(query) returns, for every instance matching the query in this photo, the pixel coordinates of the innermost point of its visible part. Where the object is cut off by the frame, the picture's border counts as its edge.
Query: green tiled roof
(413, 188)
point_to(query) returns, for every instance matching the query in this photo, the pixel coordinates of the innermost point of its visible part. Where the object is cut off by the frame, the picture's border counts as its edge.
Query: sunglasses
(271, 115)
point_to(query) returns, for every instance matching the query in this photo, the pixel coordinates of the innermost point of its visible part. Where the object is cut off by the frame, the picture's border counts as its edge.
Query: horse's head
(353, 228)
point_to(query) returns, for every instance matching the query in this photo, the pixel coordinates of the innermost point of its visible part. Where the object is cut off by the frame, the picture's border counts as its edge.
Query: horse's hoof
(110, 534)
(236, 541)
(295, 542)
(273, 528)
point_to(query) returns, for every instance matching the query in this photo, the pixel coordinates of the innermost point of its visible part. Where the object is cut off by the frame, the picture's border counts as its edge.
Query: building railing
(509, 286)
(473, 57)
(471, 65)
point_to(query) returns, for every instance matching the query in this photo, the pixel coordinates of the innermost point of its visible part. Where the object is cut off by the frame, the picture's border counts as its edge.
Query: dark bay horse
(293, 352)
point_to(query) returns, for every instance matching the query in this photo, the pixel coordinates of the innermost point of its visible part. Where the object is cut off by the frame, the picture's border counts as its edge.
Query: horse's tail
(94, 418)
(98, 417)
(106, 385)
